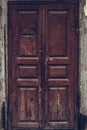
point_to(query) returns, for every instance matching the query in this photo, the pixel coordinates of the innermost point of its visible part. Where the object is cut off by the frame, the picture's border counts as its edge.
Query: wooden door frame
(76, 4)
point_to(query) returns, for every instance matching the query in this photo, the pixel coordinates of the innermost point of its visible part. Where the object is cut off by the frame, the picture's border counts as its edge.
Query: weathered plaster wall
(83, 63)
(85, 8)
(83, 59)
(2, 60)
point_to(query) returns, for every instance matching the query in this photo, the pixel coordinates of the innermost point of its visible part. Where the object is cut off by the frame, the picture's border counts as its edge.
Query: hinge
(77, 31)
(11, 116)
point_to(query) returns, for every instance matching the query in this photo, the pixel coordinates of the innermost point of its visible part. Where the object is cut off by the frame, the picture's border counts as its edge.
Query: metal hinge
(77, 31)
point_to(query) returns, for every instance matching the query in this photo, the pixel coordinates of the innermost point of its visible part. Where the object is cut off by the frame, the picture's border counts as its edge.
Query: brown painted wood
(42, 66)
(60, 75)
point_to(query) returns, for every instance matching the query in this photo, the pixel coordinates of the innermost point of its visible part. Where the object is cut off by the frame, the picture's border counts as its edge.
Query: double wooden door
(42, 66)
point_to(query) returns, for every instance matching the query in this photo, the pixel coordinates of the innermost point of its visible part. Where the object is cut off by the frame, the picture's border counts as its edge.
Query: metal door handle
(47, 58)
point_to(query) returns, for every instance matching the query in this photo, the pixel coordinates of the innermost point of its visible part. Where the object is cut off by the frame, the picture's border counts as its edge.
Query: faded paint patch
(85, 8)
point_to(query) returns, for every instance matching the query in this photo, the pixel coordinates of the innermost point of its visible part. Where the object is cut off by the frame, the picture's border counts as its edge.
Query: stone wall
(3, 64)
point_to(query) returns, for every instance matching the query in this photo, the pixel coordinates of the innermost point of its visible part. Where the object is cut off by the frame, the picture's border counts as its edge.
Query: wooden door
(60, 66)
(42, 66)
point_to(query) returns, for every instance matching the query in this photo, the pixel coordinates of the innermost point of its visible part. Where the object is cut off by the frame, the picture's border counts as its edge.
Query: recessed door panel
(57, 30)
(27, 104)
(58, 104)
(27, 27)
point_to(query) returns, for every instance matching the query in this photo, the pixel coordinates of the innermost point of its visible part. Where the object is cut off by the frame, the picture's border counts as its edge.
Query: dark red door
(42, 67)
(59, 61)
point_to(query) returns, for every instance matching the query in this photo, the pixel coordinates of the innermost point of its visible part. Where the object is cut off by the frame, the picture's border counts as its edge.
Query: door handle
(47, 58)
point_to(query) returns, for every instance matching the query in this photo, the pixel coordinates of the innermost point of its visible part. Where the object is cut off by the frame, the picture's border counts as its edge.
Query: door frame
(76, 4)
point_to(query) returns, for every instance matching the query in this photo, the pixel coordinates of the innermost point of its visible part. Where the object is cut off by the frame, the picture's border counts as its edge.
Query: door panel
(58, 103)
(28, 32)
(27, 104)
(42, 64)
(59, 66)
(57, 43)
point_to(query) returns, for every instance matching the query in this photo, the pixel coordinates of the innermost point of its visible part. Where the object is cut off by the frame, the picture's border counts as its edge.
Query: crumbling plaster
(3, 22)
(82, 58)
